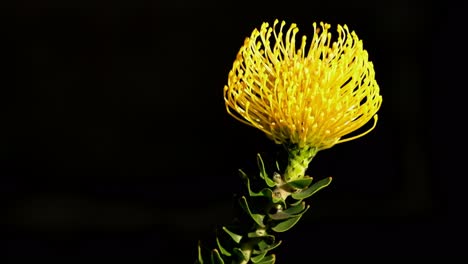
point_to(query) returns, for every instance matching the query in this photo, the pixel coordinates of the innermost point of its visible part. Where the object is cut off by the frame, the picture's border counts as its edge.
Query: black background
(116, 146)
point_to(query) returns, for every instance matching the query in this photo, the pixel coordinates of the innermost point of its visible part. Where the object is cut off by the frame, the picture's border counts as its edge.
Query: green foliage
(286, 224)
(258, 218)
(265, 215)
(312, 189)
(263, 174)
(216, 257)
(237, 238)
(301, 183)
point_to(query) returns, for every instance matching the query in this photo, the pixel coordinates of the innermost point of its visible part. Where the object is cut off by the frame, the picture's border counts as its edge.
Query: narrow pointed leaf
(263, 193)
(222, 249)
(237, 238)
(270, 259)
(269, 182)
(312, 189)
(296, 209)
(261, 166)
(296, 203)
(247, 182)
(301, 183)
(287, 224)
(200, 258)
(263, 173)
(289, 213)
(258, 218)
(280, 216)
(274, 245)
(267, 247)
(241, 254)
(216, 257)
(262, 245)
(243, 174)
(259, 257)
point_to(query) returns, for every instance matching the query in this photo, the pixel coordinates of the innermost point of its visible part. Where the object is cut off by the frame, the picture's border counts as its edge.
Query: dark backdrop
(115, 142)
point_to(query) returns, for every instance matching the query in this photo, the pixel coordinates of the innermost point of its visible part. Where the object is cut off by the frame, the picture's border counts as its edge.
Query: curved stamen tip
(362, 134)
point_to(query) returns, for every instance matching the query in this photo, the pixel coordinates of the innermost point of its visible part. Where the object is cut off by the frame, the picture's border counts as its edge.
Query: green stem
(298, 161)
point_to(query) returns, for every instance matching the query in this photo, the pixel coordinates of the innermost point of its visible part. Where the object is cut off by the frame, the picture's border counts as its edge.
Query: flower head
(310, 96)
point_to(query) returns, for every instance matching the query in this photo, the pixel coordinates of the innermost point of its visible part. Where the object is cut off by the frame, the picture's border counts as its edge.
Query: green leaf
(301, 183)
(287, 224)
(259, 257)
(241, 254)
(274, 245)
(237, 238)
(295, 203)
(200, 258)
(296, 209)
(216, 257)
(263, 193)
(222, 249)
(312, 189)
(258, 218)
(289, 213)
(243, 174)
(263, 173)
(280, 216)
(264, 246)
(261, 166)
(247, 182)
(270, 259)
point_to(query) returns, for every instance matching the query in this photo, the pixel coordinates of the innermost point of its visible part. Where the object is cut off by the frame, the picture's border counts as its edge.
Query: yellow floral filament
(308, 96)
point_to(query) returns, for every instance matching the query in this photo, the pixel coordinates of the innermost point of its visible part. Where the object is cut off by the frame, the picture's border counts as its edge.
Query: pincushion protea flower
(308, 97)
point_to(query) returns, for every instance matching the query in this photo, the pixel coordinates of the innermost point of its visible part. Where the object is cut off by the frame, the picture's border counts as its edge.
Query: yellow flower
(311, 96)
